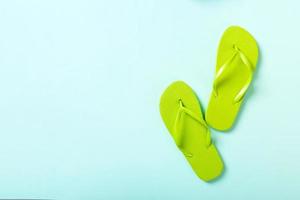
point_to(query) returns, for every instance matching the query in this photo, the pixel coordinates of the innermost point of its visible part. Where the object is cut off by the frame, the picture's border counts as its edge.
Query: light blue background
(80, 83)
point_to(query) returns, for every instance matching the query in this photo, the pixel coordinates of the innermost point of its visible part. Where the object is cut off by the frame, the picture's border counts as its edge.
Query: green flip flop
(236, 63)
(181, 113)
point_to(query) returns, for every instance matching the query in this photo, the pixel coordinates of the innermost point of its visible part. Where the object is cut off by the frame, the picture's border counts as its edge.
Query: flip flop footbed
(238, 44)
(204, 159)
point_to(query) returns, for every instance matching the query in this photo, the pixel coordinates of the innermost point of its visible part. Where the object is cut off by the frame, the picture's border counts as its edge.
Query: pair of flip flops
(181, 111)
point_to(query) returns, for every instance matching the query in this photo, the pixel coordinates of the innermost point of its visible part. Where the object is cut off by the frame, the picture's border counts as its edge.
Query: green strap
(226, 66)
(178, 136)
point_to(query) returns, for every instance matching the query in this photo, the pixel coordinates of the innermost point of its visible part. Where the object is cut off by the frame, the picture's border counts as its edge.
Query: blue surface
(80, 84)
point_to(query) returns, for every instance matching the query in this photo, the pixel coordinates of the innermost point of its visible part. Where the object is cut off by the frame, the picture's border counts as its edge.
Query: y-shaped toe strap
(227, 66)
(178, 126)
